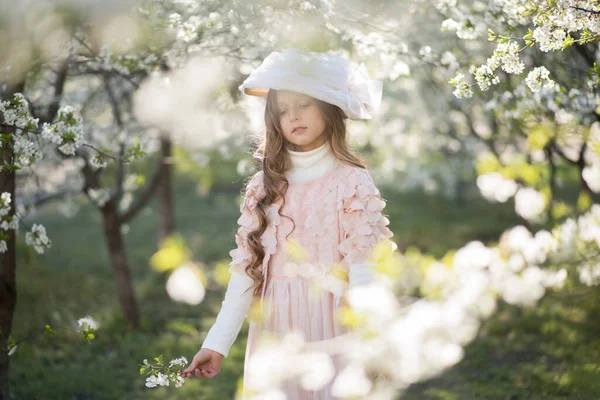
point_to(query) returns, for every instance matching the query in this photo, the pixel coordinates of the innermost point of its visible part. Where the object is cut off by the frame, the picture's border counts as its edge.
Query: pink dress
(338, 219)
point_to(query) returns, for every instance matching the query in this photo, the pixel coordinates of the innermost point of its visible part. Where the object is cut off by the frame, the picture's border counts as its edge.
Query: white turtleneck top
(311, 164)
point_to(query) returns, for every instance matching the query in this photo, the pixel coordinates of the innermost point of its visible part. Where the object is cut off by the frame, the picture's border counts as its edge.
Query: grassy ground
(548, 352)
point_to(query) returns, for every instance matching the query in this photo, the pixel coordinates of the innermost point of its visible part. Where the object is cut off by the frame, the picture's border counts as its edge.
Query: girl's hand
(205, 364)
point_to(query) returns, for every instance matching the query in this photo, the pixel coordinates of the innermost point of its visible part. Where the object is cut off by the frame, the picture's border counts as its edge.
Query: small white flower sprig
(36, 237)
(86, 327)
(163, 375)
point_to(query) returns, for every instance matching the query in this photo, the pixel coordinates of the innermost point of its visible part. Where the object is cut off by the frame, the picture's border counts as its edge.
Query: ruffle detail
(248, 221)
(362, 221)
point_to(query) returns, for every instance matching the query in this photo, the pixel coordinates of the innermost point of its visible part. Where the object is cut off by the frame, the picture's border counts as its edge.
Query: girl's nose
(293, 115)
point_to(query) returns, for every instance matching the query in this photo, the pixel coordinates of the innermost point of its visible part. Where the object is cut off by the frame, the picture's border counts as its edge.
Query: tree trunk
(8, 260)
(119, 263)
(8, 266)
(164, 192)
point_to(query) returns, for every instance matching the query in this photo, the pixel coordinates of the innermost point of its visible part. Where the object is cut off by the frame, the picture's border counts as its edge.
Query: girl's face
(301, 120)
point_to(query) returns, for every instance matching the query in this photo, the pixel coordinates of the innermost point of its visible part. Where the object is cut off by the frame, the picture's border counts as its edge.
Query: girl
(311, 192)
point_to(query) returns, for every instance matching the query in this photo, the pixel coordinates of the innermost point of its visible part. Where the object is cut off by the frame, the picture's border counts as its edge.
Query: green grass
(548, 352)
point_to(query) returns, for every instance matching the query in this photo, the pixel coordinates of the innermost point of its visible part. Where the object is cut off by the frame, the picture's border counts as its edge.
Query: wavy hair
(270, 153)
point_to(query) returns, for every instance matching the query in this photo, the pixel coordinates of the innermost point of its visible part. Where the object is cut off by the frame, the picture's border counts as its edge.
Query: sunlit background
(126, 144)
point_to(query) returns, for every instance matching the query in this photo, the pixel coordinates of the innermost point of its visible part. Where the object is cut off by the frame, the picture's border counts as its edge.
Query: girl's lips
(299, 130)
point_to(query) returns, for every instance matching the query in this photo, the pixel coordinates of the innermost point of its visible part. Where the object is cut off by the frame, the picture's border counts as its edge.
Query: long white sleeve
(230, 318)
(360, 273)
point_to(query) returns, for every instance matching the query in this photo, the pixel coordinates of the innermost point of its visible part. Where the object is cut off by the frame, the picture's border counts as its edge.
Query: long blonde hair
(270, 152)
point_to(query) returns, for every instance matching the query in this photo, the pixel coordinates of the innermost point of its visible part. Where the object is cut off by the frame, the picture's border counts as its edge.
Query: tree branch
(59, 85)
(586, 10)
(119, 120)
(146, 195)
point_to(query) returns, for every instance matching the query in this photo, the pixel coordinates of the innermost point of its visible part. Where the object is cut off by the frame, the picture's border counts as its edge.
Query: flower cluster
(462, 88)
(485, 77)
(99, 161)
(529, 203)
(38, 239)
(5, 201)
(539, 77)
(87, 326)
(506, 55)
(548, 38)
(16, 113)
(162, 375)
(99, 196)
(465, 28)
(67, 131)
(553, 24)
(495, 187)
(7, 222)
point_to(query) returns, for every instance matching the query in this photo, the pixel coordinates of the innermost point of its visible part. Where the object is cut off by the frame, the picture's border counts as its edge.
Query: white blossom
(99, 161)
(184, 285)
(529, 203)
(5, 203)
(87, 323)
(591, 174)
(462, 89)
(38, 239)
(99, 196)
(67, 131)
(485, 77)
(538, 78)
(494, 187)
(181, 362)
(549, 38)
(507, 56)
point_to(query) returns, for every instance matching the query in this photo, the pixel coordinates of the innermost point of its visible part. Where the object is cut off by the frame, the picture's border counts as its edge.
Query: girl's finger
(198, 373)
(206, 374)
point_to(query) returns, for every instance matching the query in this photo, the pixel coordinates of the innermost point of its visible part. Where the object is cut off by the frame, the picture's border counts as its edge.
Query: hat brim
(256, 92)
(263, 92)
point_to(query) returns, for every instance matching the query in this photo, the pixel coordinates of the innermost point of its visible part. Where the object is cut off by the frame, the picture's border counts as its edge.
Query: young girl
(313, 192)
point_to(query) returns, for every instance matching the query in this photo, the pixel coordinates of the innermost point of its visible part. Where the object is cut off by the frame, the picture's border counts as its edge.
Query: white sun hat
(323, 76)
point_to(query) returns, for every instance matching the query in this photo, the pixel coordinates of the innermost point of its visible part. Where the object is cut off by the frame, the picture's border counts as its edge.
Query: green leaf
(560, 210)
(49, 330)
(584, 201)
(491, 35)
(568, 42)
(159, 360)
(143, 370)
(539, 137)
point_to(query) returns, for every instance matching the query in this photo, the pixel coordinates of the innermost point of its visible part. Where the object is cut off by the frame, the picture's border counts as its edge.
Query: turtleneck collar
(306, 159)
(308, 165)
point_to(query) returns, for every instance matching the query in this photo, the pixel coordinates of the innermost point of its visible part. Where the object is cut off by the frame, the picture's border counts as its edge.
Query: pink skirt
(291, 305)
